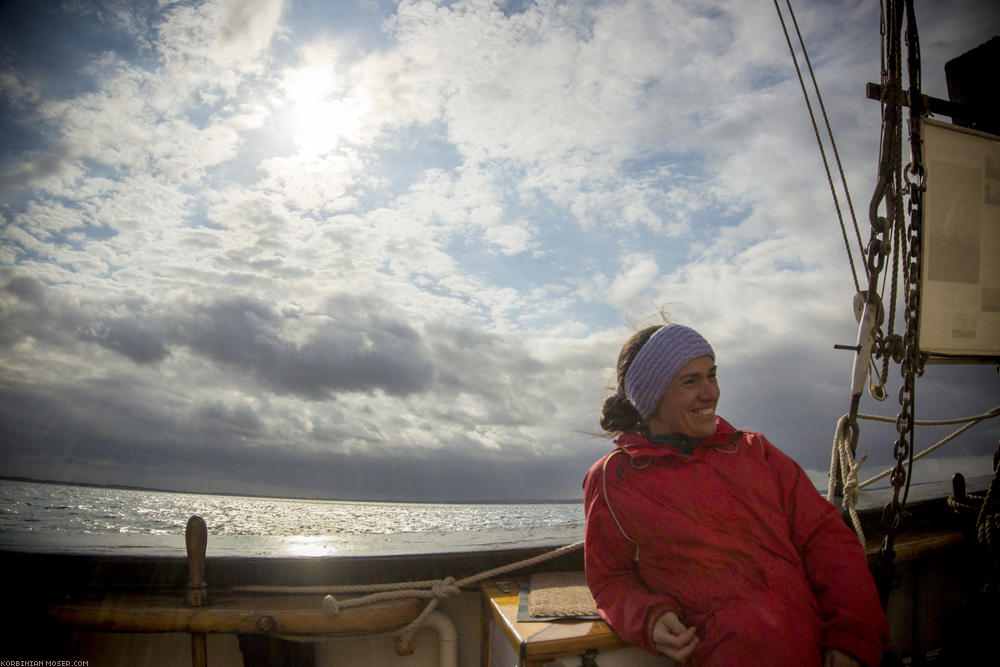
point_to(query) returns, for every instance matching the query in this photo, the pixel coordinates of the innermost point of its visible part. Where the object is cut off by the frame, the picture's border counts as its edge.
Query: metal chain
(912, 362)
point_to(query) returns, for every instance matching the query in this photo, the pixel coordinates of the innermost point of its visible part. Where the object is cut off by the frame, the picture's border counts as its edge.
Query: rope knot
(851, 485)
(330, 606)
(445, 588)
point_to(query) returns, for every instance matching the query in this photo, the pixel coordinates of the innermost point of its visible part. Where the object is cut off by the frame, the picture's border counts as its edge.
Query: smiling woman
(708, 542)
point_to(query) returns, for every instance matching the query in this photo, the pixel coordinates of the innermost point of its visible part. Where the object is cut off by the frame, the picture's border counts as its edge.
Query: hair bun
(618, 415)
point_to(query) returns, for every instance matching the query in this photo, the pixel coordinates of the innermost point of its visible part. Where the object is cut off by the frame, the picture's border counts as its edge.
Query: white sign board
(960, 281)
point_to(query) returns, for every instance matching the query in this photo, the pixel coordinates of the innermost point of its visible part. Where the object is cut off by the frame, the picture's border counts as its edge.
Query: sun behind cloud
(321, 110)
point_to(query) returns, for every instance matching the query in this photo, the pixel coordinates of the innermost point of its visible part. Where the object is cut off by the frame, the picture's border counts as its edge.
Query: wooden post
(196, 539)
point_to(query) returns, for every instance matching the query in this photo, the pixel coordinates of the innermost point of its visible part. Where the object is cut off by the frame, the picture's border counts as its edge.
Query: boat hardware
(196, 542)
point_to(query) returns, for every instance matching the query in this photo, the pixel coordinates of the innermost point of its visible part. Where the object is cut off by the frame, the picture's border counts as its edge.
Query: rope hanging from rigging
(844, 468)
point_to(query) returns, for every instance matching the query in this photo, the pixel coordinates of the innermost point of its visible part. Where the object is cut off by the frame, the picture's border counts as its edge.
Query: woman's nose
(709, 390)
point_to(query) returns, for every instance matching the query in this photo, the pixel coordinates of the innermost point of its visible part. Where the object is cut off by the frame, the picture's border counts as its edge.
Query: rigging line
(989, 414)
(897, 239)
(829, 130)
(819, 140)
(929, 450)
(968, 422)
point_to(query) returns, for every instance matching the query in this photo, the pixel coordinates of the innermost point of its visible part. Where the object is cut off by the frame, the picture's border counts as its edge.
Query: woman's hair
(618, 415)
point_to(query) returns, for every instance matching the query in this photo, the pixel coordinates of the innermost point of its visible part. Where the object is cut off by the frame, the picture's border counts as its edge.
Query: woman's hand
(673, 639)
(834, 658)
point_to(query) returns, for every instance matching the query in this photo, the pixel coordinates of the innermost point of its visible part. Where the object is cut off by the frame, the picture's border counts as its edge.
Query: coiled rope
(849, 468)
(433, 590)
(988, 522)
(986, 508)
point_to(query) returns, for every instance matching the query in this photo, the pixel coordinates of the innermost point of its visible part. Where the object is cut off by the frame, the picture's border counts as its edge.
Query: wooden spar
(243, 615)
(960, 113)
(240, 614)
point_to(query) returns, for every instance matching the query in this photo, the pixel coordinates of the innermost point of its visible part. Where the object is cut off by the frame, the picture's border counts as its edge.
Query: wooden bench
(534, 643)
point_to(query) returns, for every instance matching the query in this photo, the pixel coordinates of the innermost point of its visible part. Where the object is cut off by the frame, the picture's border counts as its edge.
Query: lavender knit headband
(657, 363)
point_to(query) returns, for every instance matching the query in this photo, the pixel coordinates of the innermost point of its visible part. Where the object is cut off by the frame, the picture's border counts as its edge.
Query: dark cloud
(23, 310)
(354, 350)
(33, 310)
(126, 337)
(54, 435)
(122, 417)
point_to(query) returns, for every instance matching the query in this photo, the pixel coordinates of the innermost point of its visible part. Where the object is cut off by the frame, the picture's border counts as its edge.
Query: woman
(709, 543)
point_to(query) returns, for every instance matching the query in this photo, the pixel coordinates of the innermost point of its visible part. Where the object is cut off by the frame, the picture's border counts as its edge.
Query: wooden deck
(238, 614)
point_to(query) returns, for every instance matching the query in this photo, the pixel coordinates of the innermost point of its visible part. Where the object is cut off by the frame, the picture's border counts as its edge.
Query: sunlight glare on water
(62, 517)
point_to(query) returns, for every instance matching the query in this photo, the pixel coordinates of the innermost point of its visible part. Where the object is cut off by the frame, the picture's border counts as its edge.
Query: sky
(390, 250)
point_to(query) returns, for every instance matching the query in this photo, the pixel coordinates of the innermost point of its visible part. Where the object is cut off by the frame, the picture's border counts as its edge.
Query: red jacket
(737, 541)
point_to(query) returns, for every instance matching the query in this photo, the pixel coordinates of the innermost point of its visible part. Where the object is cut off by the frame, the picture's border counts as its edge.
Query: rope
(988, 534)
(987, 512)
(841, 452)
(972, 421)
(819, 140)
(988, 521)
(849, 475)
(969, 502)
(330, 590)
(445, 588)
(433, 590)
(829, 130)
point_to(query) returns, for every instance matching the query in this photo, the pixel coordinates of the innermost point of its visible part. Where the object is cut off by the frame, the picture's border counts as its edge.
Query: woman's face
(688, 404)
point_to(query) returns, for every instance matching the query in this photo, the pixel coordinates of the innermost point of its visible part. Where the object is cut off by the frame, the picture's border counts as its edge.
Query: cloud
(53, 171)
(345, 389)
(247, 27)
(510, 239)
(17, 89)
(396, 253)
(355, 349)
(637, 273)
(34, 312)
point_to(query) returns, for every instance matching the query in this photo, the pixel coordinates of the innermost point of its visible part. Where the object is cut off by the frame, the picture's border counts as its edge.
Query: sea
(62, 518)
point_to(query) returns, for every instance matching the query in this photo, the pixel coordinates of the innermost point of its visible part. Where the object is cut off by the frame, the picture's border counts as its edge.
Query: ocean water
(60, 518)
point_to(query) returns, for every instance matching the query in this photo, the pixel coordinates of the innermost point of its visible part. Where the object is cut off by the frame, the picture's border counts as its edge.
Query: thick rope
(988, 521)
(433, 590)
(986, 509)
(439, 590)
(971, 503)
(848, 475)
(429, 584)
(841, 452)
